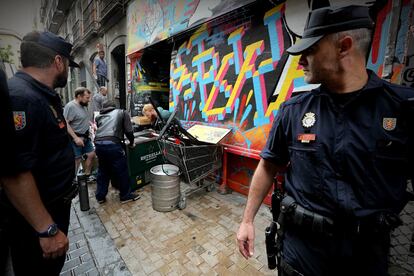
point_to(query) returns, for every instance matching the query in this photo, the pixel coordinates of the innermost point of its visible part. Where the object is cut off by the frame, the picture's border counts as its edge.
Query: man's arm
(94, 69)
(22, 192)
(67, 113)
(128, 129)
(78, 141)
(261, 183)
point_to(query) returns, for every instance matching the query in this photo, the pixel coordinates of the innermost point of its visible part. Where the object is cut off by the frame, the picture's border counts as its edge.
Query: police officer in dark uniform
(345, 149)
(40, 192)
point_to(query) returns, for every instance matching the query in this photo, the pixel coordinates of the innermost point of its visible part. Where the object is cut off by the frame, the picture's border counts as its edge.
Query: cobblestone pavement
(133, 239)
(402, 249)
(199, 240)
(91, 250)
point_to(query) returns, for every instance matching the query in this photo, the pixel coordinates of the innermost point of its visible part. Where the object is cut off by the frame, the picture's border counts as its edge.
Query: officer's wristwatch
(50, 232)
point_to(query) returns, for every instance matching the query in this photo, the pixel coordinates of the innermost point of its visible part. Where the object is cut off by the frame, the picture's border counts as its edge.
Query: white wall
(17, 18)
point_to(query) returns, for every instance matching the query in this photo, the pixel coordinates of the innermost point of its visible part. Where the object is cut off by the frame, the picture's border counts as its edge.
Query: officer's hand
(79, 142)
(131, 145)
(55, 246)
(245, 239)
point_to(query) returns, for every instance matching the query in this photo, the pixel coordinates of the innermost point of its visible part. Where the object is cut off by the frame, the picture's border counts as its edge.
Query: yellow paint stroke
(291, 74)
(249, 97)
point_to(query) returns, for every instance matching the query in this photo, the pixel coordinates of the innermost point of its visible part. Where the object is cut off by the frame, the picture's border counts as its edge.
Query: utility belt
(296, 216)
(84, 135)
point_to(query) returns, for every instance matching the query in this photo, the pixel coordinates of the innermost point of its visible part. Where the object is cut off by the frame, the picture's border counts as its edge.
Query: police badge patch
(19, 119)
(389, 123)
(309, 120)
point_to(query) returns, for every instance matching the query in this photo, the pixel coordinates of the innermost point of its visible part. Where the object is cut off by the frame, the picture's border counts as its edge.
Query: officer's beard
(61, 80)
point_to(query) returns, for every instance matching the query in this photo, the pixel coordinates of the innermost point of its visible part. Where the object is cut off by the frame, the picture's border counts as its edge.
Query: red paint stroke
(241, 107)
(376, 40)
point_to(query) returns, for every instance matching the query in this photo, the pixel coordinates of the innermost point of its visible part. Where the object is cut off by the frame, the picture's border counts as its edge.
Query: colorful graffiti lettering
(237, 74)
(242, 81)
(150, 21)
(232, 83)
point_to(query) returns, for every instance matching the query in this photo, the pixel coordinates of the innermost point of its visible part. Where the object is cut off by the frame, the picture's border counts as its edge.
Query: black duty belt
(301, 218)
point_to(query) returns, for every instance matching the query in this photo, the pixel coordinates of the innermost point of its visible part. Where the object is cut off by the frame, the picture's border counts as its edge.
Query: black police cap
(57, 44)
(329, 20)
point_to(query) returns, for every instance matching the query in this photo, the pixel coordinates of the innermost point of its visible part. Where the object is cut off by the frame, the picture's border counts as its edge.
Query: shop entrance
(150, 77)
(118, 55)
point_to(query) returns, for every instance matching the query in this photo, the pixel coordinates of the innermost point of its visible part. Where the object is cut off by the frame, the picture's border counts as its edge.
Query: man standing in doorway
(100, 69)
(78, 120)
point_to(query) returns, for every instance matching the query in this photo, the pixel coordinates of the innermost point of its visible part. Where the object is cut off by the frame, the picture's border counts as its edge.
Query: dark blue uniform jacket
(42, 140)
(360, 158)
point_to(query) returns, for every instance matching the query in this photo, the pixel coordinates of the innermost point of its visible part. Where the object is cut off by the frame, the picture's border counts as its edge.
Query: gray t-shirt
(97, 101)
(77, 116)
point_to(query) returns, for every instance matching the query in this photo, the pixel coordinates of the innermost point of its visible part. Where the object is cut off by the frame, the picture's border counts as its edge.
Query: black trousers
(26, 253)
(4, 249)
(341, 255)
(101, 80)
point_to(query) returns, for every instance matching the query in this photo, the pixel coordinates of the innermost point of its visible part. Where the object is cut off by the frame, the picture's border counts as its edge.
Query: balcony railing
(77, 32)
(90, 19)
(108, 6)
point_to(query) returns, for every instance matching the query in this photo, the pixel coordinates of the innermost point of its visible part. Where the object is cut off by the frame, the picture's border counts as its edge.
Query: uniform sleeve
(276, 148)
(28, 116)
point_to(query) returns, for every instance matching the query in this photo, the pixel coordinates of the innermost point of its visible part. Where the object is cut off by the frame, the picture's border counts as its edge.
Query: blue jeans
(79, 151)
(112, 162)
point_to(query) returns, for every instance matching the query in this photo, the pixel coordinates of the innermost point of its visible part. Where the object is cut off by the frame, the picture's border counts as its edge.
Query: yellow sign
(208, 134)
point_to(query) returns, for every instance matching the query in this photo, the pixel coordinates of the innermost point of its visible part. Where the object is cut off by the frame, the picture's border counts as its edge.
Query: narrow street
(133, 239)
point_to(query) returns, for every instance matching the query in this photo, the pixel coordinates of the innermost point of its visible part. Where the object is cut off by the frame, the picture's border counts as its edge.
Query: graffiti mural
(379, 41)
(237, 74)
(227, 74)
(150, 21)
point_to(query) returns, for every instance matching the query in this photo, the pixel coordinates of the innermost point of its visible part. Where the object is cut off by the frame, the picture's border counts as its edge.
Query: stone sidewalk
(91, 250)
(133, 239)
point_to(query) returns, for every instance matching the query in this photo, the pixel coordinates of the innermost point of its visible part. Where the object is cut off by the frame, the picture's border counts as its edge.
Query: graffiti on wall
(237, 74)
(379, 42)
(150, 21)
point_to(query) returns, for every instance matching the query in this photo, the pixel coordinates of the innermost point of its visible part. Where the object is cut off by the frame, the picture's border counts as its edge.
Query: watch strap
(50, 231)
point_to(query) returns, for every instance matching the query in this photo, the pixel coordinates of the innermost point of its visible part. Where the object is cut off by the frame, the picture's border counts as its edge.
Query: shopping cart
(196, 159)
(196, 162)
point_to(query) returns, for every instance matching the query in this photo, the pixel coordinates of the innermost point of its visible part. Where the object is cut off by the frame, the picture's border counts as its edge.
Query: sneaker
(101, 201)
(90, 178)
(130, 197)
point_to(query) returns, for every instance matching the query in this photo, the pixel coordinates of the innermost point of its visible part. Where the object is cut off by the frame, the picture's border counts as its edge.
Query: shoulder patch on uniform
(19, 119)
(389, 123)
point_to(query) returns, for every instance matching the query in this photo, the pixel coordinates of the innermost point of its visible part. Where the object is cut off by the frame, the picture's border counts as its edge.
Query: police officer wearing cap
(39, 194)
(345, 148)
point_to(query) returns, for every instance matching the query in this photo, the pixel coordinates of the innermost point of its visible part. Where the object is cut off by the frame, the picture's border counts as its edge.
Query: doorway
(118, 55)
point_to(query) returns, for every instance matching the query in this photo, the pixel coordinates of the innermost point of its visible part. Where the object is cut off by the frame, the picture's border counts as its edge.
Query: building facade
(91, 25)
